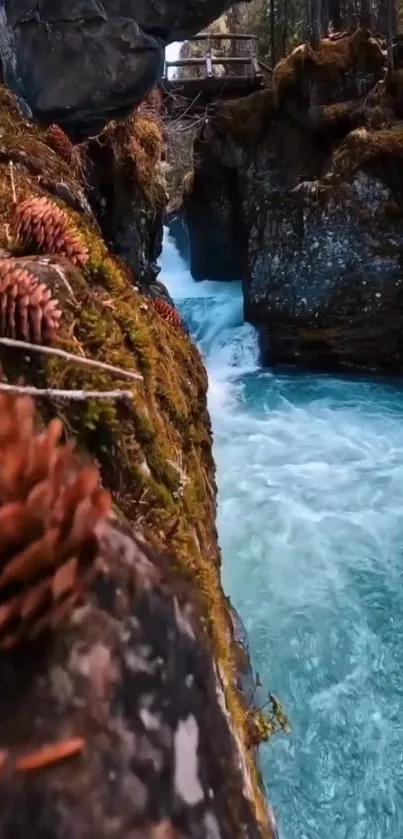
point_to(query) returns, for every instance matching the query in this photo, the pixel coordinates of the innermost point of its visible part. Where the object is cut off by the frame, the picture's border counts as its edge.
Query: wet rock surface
(114, 52)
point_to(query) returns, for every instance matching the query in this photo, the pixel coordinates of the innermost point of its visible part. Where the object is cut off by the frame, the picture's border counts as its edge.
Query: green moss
(262, 726)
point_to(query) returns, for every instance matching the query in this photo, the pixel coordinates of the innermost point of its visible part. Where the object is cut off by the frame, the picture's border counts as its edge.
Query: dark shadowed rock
(327, 286)
(82, 62)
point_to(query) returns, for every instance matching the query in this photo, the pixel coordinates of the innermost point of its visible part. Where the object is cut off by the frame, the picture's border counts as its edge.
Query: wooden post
(253, 58)
(209, 62)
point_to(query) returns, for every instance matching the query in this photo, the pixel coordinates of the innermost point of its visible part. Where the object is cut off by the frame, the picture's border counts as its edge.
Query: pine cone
(49, 509)
(41, 223)
(27, 310)
(59, 142)
(167, 312)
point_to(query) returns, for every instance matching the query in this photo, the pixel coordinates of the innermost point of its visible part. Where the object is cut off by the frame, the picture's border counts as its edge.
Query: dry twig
(88, 362)
(73, 395)
(13, 192)
(64, 280)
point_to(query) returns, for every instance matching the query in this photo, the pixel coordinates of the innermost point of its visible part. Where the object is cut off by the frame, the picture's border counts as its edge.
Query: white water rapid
(310, 477)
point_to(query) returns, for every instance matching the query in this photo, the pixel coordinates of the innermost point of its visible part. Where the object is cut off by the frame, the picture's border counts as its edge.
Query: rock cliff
(139, 684)
(304, 186)
(82, 62)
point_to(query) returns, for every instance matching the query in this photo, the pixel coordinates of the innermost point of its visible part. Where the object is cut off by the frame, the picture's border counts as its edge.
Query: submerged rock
(81, 63)
(315, 165)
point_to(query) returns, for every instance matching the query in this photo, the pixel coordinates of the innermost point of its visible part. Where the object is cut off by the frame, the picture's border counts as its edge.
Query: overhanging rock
(82, 62)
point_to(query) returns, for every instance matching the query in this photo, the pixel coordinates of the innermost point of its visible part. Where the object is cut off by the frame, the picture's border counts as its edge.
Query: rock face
(146, 671)
(128, 191)
(326, 282)
(131, 677)
(82, 62)
(315, 164)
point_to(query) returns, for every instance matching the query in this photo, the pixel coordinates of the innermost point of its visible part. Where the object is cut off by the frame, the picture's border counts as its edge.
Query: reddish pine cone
(49, 509)
(59, 142)
(41, 223)
(167, 312)
(27, 310)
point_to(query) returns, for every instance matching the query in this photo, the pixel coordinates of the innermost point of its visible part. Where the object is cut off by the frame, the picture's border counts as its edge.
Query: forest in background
(283, 24)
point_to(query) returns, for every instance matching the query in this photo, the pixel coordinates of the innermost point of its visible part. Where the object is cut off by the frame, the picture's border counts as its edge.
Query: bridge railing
(211, 58)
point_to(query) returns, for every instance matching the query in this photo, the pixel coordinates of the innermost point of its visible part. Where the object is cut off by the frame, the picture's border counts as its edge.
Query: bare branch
(73, 395)
(64, 279)
(78, 359)
(13, 192)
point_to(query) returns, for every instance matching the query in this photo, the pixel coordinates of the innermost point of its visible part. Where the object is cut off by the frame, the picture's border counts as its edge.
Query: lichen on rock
(139, 670)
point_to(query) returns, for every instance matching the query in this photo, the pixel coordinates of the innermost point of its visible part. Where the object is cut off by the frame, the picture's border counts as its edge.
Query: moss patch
(355, 55)
(137, 143)
(247, 119)
(380, 152)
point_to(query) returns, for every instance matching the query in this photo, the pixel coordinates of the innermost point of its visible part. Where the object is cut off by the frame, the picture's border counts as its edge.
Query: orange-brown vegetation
(327, 65)
(137, 142)
(382, 150)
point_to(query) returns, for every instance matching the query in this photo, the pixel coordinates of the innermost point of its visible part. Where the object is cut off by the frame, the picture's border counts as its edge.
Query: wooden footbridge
(215, 74)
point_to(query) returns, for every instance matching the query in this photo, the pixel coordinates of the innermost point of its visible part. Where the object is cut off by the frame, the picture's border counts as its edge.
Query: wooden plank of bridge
(193, 94)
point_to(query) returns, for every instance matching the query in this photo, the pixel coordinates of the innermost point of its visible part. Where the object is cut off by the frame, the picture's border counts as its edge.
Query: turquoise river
(310, 477)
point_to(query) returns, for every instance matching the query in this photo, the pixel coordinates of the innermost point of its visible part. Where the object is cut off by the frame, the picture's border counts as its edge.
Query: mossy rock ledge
(146, 671)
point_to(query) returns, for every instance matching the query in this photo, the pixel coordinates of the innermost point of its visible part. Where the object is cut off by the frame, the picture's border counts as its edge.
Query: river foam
(310, 477)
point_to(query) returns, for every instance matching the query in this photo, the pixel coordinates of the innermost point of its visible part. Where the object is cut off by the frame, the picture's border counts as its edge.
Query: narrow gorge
(201, 432)
(292, 287)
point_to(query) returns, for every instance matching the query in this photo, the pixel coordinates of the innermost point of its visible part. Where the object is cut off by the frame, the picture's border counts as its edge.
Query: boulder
(82, 62)
(314, 163)
(326, 282)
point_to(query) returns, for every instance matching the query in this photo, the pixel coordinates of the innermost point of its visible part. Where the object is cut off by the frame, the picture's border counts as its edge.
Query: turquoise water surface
(310, 476)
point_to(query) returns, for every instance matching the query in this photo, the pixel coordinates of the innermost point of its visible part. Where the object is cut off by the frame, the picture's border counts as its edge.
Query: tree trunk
(325, 18)
(284, 29)
(315, 28)
(365, 14)
(335, 15)
(272, 34)
(351, 17)
(391, 30)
